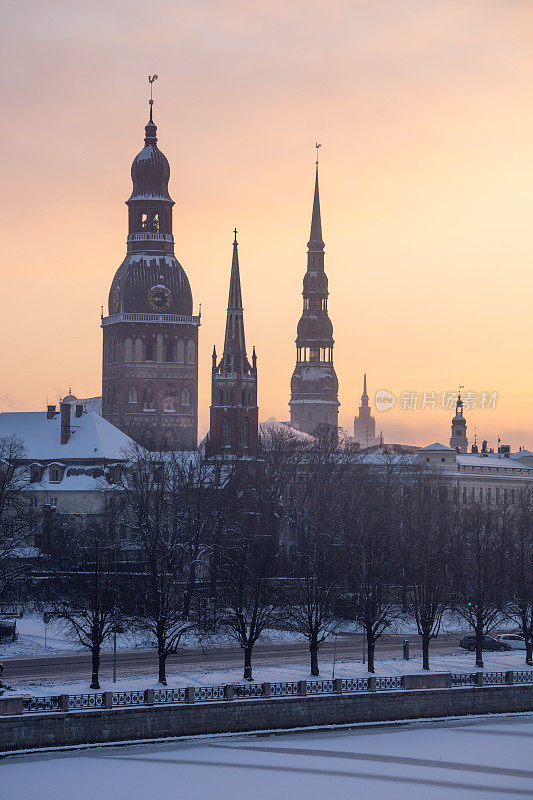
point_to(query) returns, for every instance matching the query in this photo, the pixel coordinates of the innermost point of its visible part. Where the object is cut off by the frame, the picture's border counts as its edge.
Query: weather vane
(317, 145)
(151, 79)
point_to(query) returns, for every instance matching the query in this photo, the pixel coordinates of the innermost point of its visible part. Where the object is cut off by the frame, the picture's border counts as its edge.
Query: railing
(158, 318)
(202, 694)
(153, 237)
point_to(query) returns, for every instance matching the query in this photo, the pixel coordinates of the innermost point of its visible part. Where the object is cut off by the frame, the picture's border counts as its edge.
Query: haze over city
(423, 111)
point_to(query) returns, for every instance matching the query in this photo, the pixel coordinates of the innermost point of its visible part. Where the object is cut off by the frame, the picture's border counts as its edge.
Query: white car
(515, 641)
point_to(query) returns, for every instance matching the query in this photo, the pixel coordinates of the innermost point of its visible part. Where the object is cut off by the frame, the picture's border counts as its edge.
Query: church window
(115, 394)
(185, 397)
(306, 304)
(244, 400)
(465, 494)
(169, 350)
(159, 347)
(220, 397)
(181, 352)
(231, 396)
(132, 395)
(128, 350)
(246, 433)
(149, 349)
(148, 400)
(191, 354)
(138, 350)
(489, 495)
(226, 432)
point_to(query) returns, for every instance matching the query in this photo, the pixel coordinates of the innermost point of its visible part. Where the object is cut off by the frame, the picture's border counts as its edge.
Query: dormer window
(54, 475)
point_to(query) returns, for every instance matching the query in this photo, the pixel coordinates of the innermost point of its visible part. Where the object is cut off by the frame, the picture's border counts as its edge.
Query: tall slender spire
(364, 396)
(234, 356)
(315, 239)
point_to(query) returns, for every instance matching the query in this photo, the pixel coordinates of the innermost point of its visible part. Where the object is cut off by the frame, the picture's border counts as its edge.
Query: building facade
(458, 439)
(234, 411)
(364, 424)
(150, 336)
(314, 385)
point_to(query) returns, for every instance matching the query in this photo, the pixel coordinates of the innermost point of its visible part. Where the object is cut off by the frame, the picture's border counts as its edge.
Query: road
(76, 666)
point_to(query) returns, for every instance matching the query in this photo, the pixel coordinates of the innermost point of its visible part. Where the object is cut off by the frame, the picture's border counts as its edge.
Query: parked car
(489, 643)
(516, 641)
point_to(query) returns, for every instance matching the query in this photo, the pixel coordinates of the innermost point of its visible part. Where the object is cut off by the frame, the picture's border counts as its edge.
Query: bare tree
(159, 526)
(426, 519)
(373, 549)
(480, 557)
(314, 505)
(519, 577)
(84, 580)
(17, 521)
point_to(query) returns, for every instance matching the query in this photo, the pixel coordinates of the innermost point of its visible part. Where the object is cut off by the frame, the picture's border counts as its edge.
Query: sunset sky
(425, 115)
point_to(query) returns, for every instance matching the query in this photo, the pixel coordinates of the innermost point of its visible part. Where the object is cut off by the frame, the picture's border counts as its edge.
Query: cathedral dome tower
(150, 369)
(314, 384)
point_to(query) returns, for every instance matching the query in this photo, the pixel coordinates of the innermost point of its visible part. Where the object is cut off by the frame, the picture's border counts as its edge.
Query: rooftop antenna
(151, 79)
(317, 145)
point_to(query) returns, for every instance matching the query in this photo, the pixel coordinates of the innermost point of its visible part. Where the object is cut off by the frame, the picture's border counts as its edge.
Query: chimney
(79, 409)
(50, 412)
(65, 422)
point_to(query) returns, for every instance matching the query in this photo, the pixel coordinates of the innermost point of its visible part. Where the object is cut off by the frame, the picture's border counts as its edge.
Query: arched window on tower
(149, 349)
(159, 347)
(226, 433)
(244, 399)
(128, 350)
(169, 350)
(220, 397)
(191, 352)
(231, 397)
(132, 395)
(246, 433)
(181, 352)
(138, 350)
(185, 397)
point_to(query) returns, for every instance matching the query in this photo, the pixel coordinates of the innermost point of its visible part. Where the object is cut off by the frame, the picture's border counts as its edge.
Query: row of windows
(487, 495)
(225, 433)
(151, 348)
(315, 355)
(227, 397)
(315, 304)
(146, 398)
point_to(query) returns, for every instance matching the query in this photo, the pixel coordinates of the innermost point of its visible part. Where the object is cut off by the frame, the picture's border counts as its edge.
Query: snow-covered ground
(458, 662)
(37, 639)
(419, 761)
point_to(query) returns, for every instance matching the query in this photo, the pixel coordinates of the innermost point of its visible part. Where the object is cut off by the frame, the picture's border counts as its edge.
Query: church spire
(315, 239)
(234, 355)
(314, 386)
(234, 413)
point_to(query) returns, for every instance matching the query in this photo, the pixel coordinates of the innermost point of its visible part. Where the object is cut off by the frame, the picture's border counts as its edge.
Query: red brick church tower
(234, 412)
(150, 347)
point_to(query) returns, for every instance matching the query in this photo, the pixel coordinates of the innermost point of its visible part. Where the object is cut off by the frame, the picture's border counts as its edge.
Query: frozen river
(484, 758)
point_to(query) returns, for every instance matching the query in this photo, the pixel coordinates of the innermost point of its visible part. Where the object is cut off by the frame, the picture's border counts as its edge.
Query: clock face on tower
(159, 298)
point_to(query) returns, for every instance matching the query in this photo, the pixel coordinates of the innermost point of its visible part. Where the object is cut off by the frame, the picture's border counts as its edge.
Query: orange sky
(425, 114)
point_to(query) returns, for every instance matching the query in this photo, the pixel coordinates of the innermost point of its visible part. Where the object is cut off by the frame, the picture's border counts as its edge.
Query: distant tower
(314, 384)
(458, 438)
(234, 412)
(150, 347)
(364, 425)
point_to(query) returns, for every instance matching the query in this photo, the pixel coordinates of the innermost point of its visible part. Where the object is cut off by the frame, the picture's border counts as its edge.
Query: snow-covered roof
(492, 460)
(92, 437)
(436, 447)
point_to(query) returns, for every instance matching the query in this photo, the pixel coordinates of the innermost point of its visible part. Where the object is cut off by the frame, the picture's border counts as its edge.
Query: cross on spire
(317, 145)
